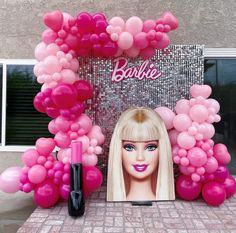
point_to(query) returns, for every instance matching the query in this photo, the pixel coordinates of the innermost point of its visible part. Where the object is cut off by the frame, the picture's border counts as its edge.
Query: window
(22, 125)
(220, 74)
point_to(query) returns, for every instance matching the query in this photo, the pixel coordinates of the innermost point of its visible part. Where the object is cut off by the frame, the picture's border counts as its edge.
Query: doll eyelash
(128, 147)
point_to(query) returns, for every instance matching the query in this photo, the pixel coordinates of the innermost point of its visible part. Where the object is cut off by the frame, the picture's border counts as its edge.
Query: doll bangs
(140, 131)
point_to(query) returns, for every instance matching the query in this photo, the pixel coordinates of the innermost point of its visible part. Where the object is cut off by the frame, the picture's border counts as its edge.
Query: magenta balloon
(221, 154)
(64, 191)
(46, 194)
(84, 90)
(85, 23)
(64, 95)
(52, 112)
(230, 186)
(149, 25)
(182, 122)
(167, 116)
(99, 16)
(72, 41)
(187, 189)
(100, 26)
(147, 53)
(169, 19)
(109, 49)
(213, 193)
(197, 157)
(163, 42)
(140, 40)
(10, 180)
(92, 178)
(53, 20)
(221, 174)
(45, 146)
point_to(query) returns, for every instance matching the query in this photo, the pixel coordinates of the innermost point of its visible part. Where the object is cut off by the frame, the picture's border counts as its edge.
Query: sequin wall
(181, 67)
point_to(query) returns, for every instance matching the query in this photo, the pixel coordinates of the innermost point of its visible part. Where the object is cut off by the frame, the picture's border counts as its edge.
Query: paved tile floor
(169, 217)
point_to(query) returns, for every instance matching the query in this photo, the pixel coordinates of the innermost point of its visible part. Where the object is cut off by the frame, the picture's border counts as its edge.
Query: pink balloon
(85, 23)
(46, 194)
(49, 36)
(185, 140)
(37, 174)
(40, 51)
(147, 53)
(62, 140)
(140, 40)
(89, 160)
(182, 106)
(30, 157)
(163, 42)
(92, 179)
(214, 104)
(64, 95)
(221, 154)
(85, 142)
(230, 186)
(211, 165)
(221, 174)
(198, 113)
(132, 52)
(117, 22)
(52, 49)
(45, 146)
(149, 25)
(125, 40)
(64, 155)
(68, 76)
(85, 124)
(53, 20)
(167, 116)
(184, 170)
(62, 124)
(134, 25)
(52, 65)
(200, 90)
(182, 122)
(213, 193)
(209, 132)
(173, 135)
(84, 90)
(169, 19)
(187, 189)
(64, 191)
(10, 180)
(96, 133)
(197, 157)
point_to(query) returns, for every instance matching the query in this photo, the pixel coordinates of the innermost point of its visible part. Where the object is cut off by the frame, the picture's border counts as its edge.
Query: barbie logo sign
(146, 70)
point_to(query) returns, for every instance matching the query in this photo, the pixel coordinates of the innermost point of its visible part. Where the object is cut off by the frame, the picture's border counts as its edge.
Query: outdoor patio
(101, 216)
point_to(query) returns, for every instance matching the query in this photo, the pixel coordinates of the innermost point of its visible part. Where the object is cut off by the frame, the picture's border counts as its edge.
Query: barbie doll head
(140, 161)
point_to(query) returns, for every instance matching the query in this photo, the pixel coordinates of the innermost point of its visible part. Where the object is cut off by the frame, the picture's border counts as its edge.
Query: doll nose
(140, 156)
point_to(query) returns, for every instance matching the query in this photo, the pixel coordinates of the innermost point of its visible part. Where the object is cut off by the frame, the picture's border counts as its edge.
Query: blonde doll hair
(140, 124)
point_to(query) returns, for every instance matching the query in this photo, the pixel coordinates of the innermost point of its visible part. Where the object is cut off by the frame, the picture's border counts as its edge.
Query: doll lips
(140, 167)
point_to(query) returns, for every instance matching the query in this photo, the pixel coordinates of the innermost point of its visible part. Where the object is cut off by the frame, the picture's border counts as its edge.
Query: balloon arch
(201, 164)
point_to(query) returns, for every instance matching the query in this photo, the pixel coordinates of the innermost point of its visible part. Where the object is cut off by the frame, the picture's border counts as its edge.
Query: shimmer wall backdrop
(200, 22)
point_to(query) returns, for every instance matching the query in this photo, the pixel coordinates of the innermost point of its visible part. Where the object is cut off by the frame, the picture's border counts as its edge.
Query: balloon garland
(63, 97)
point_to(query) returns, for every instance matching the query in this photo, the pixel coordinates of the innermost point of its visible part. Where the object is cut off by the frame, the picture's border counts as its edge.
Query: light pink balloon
(40, 51)
(85, 142)
(182, 106)
(62, 140)
(134, 25)
(96, 133)
(10, 180)
(198, 113)
(68, 76)
(125, 40)
(200, 90)
(117, 21)
(214, 104)
(185, 140)
(211, 165)
(74, 65)
(197, 157)
(167, 116)
(209, 132)
(221, 153)
(132, 52)
(62, 124)
(182, 122)
(37, 174)
(89, 160)
(45, 146)
(52, 65)
(173, 135)
(30, 157)
(64, 155)
(140, 40)
(52, 49)
(85, 123)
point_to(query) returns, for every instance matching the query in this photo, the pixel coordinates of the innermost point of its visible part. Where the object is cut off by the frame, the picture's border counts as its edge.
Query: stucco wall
(209, 22)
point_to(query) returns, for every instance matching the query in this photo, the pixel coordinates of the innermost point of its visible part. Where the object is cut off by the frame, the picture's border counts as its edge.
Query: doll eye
(128, 147)
(151, 147)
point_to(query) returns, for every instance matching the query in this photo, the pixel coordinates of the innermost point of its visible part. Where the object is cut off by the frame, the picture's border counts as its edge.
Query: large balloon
(230, 186)
(187, 189)
(10, 180)
(213, 193)
(167, 116)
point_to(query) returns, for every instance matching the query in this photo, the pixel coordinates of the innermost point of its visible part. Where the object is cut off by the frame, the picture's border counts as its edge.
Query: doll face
(140, 159)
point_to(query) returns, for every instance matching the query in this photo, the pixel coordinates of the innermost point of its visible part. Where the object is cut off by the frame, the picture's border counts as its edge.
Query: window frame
(208, 53)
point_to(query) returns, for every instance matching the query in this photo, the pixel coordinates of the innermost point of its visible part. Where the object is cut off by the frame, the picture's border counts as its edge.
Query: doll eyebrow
(154, 141)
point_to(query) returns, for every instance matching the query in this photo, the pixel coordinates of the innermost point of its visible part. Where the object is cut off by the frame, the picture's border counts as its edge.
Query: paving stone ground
(162, 217)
